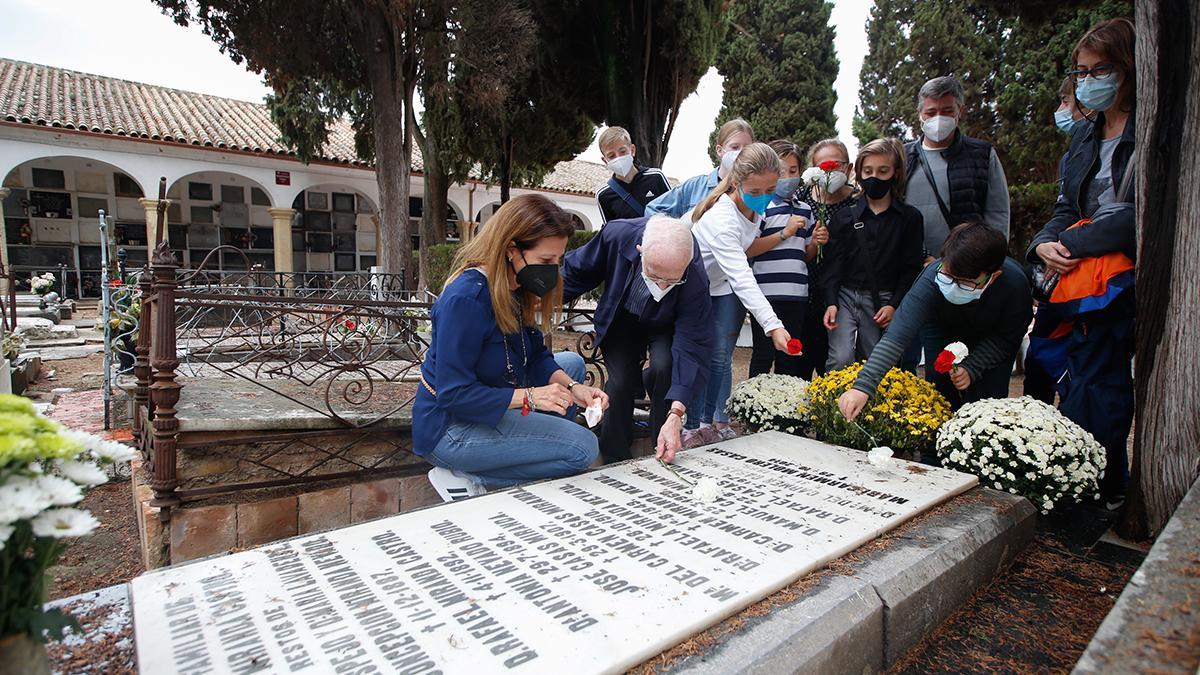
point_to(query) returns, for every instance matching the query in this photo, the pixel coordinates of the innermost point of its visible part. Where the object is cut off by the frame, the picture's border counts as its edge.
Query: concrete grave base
(865, 611)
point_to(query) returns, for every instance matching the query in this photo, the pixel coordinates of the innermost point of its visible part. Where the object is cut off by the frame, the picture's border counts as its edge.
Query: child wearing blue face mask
(726, 224)
(789, 240)
(976, 295)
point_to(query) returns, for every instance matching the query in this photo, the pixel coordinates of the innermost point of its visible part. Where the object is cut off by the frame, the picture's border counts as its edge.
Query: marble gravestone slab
(594, 573)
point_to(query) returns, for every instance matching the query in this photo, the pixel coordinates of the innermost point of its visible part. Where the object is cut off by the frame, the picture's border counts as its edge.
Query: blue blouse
(466, 363)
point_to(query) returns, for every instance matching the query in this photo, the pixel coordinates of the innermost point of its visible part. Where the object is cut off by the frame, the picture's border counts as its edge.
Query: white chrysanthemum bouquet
(44, 470)
(770, 403)
(42, 284)
(1025, 447)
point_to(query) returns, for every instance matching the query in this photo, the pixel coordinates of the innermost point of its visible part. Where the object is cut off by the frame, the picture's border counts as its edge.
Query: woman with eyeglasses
(1094, 220)
(495, 408)
(976, 295)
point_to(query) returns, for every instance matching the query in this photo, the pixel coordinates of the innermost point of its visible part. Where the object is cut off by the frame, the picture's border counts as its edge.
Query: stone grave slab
(595, 573)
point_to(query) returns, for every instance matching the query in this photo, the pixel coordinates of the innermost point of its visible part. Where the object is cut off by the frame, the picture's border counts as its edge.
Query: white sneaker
(452, 485)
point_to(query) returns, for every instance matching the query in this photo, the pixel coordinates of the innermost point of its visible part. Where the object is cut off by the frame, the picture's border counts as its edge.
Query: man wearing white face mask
(632, 185)
(655, 301)
(952, 178)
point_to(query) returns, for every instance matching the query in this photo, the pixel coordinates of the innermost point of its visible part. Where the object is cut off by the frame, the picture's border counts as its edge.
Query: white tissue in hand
(881, 456)
(593, 413)
(706, 490)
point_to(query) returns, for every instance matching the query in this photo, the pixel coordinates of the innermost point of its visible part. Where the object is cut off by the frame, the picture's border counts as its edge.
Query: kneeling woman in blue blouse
(495, 407)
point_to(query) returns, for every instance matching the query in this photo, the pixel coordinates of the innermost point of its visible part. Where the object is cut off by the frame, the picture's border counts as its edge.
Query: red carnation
(794, 346)
(829, 165)
(114, 283)
(350, 325)
(944, 362)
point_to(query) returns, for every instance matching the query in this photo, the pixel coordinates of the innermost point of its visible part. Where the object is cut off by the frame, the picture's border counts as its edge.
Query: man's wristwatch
(682, 415)
(571, 385)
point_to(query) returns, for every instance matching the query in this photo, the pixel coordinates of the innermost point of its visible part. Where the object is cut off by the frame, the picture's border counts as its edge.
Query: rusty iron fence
(347, 349)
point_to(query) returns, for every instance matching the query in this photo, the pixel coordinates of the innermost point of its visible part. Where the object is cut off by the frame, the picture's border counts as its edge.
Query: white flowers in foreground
(1025, 447)
(770, 403)
(706, 490)
(60, 523)
(84, 473)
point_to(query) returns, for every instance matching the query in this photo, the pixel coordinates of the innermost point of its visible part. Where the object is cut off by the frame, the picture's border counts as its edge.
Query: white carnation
(101, 448)
(60, 523)
(706, 490)
(959, 350)
(811, 175)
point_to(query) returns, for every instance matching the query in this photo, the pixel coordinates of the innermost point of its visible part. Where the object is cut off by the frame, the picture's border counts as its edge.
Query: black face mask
(538, 279)
(877, 188)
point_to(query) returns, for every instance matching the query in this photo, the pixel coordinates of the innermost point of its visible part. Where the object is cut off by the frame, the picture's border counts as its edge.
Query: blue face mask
(757, 204)
(786, 187)
(1065, 121)
(955, 294)
(1097, 93)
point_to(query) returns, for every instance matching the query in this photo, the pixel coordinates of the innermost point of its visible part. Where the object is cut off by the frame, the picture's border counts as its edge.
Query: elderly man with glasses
(975, 295)
(656, 302)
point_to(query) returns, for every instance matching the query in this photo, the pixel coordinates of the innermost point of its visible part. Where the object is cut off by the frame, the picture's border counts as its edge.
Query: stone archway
(51, 211)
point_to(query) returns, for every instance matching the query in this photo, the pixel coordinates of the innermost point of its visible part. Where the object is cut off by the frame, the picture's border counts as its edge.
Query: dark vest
(967, 162)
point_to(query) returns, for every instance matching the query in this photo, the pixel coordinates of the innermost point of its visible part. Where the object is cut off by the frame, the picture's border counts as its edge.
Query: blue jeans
(728, 317)
(521, 448)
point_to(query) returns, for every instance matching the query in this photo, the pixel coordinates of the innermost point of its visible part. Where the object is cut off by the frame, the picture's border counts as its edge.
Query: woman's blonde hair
(826, 143)
(523, 221)
(732, 127)
(888, 147)
(754, 158)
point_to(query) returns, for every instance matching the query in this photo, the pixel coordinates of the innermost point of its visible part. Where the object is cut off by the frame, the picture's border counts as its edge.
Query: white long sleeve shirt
(723, 235)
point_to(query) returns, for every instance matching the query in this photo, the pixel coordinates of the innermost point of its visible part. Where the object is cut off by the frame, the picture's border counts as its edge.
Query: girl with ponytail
(726, 223)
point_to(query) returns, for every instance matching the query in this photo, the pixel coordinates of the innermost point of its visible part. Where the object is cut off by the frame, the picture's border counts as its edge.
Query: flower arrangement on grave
(12, 345)
(770, 402)
(1026, 447)
(41, 284)
(904, 414)
(705, 490)
(44, 470)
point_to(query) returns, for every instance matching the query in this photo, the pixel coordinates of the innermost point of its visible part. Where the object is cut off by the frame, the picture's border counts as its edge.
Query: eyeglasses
(1098, 70)
(665, 282)
(964, 284)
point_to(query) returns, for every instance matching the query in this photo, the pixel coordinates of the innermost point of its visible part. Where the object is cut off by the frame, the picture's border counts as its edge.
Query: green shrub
(579, 238)
(1031, 206)
(441, 257)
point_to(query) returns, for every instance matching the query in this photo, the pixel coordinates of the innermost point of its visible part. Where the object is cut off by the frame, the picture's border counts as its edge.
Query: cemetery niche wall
(595, 573)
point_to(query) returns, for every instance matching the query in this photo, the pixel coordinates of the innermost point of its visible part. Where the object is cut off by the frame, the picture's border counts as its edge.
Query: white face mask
(837, 181)
(621, 166)
(939, 127)
(729, 158)
(655, 292)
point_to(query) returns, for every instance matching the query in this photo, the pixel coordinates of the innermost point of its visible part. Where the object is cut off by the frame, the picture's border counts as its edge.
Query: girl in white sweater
(726, 223)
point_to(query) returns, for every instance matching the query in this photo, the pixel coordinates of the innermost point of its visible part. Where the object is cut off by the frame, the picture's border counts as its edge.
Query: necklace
(510, 372)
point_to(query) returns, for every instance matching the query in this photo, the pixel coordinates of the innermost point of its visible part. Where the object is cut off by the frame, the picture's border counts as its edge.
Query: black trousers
(792, 313)
(624, 348)
(814, 336)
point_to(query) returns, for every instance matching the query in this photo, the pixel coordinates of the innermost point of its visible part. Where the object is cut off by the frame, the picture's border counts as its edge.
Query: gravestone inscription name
(596, 573)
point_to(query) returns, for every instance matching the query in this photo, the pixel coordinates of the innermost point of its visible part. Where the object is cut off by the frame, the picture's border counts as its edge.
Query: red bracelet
(526, 406)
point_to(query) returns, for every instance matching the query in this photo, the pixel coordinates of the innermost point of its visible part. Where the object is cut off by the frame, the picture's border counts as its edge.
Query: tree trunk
(1167, 382)
(392, 162)
(433, 216)
(506, 161)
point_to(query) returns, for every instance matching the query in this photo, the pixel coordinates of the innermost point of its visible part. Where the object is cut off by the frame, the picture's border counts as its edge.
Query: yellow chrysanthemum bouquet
(904, 414)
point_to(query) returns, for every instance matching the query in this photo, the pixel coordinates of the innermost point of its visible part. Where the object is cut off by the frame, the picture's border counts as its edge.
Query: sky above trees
(113, 38)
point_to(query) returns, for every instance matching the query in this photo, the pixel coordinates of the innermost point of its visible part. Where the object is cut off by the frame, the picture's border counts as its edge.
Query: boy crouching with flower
(974, 295)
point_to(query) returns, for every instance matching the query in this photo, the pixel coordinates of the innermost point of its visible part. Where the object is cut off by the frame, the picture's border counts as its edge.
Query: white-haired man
(655, 301)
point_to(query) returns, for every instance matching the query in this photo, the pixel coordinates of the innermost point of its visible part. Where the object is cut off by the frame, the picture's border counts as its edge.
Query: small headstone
(589, 574)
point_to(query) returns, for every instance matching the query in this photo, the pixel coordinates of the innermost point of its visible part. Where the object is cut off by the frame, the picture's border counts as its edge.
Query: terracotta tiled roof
(55, 97)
